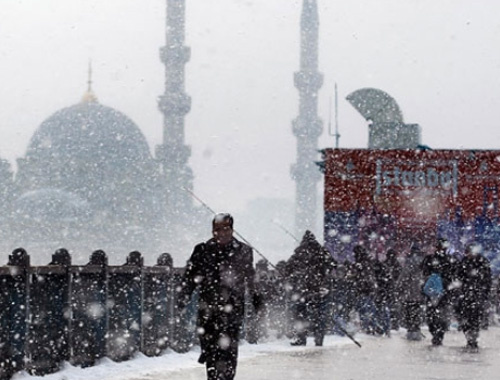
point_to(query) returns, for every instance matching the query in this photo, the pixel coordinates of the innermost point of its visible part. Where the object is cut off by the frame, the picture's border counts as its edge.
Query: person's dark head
(308, 237)
(222, 228)
(360, 253)
(262, 265)
(442, 245)
(391, 254)
(472, 250)
(281, 266)
(340, 271)
(415, 250)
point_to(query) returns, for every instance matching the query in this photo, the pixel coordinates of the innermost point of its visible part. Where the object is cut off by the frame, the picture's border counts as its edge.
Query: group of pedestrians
(386, 294)
(464, 291)
(311, 293)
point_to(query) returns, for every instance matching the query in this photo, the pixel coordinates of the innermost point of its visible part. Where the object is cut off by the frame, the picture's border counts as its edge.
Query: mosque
(88, 180)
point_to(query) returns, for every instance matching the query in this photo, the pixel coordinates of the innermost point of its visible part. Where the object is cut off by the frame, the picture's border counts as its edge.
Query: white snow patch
(141, 366)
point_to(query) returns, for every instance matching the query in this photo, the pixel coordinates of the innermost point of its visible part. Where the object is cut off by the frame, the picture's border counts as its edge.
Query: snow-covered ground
(380, 358)
(142, 366)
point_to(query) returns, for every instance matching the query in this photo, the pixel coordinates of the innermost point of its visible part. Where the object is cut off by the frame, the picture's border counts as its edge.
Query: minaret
(173, 154)
(307, 127)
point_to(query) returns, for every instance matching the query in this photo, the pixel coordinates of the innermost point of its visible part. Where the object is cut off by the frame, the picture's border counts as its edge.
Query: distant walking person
(437, 270)
(410, 293)
(393, 272)
(361, 278)
(222, 270)
(308, 271)
(265, 291)
(474, 274)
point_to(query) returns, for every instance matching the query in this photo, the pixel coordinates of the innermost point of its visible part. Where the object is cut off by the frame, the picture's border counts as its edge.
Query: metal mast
(307, 127)
(173, 154)
(337, 134)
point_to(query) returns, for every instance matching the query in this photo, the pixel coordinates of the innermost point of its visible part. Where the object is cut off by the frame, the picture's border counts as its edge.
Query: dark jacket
(383, 280)
(308, 269)
(222, 274)
(393, 270)
(411, 280)
(439, 263)
(474, 274)
(362, 278)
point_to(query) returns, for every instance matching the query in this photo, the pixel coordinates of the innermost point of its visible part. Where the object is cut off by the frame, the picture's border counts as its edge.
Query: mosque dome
(96, 153)
(89, 130)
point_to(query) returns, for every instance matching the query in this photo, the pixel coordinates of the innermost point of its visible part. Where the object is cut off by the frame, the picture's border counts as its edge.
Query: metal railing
(61, 312)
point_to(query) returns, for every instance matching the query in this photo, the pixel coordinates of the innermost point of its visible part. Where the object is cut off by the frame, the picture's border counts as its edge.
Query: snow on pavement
(142, 366)
(380, 358)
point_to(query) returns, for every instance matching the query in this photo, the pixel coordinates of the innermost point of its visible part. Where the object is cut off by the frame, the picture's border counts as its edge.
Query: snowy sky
(439, 59)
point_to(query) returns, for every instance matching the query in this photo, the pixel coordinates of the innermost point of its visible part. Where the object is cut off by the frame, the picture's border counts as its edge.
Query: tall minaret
(307, 127)
(173, 154)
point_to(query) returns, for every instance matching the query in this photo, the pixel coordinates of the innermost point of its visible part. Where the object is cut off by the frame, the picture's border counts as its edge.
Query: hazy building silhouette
(88, 179)
(307, 127)
(387, 129)
(173, 154)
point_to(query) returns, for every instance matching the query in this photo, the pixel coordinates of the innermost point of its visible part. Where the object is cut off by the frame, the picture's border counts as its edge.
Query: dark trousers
(300, 323)
(437, 316)
(471, 313)
(219, 352)
(317, 311)
(367, 313)
(309, 317)
(412, 313)
(219, 334)
(395, 312)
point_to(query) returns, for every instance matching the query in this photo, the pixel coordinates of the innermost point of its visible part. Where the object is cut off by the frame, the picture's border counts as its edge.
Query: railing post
(89, 320)
(60, 290)
(125, 308)
(184, 334)
(13, 311)
(157, 306)
(48, 315)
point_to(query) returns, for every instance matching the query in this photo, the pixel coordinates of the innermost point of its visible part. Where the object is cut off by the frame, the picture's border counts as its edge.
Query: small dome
(51, 205)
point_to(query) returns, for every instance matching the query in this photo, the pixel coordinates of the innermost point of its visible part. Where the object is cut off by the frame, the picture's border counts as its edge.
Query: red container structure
(395, 198)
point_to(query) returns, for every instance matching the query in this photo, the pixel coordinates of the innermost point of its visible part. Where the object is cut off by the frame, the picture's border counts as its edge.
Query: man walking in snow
(474, 274)
(308, 271)
(222, 270)
(361, 278)
(438, 265)
(393, 272)
(410, 293)
(265, 289)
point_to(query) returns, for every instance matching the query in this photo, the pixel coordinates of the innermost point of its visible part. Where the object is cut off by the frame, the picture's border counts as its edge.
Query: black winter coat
(441, 264)
(474, 274)
(308, 269)
(361, 276)
(222, 274)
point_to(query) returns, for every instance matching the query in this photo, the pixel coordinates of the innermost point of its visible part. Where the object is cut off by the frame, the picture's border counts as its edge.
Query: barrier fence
(62, 312)
(81, 313)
